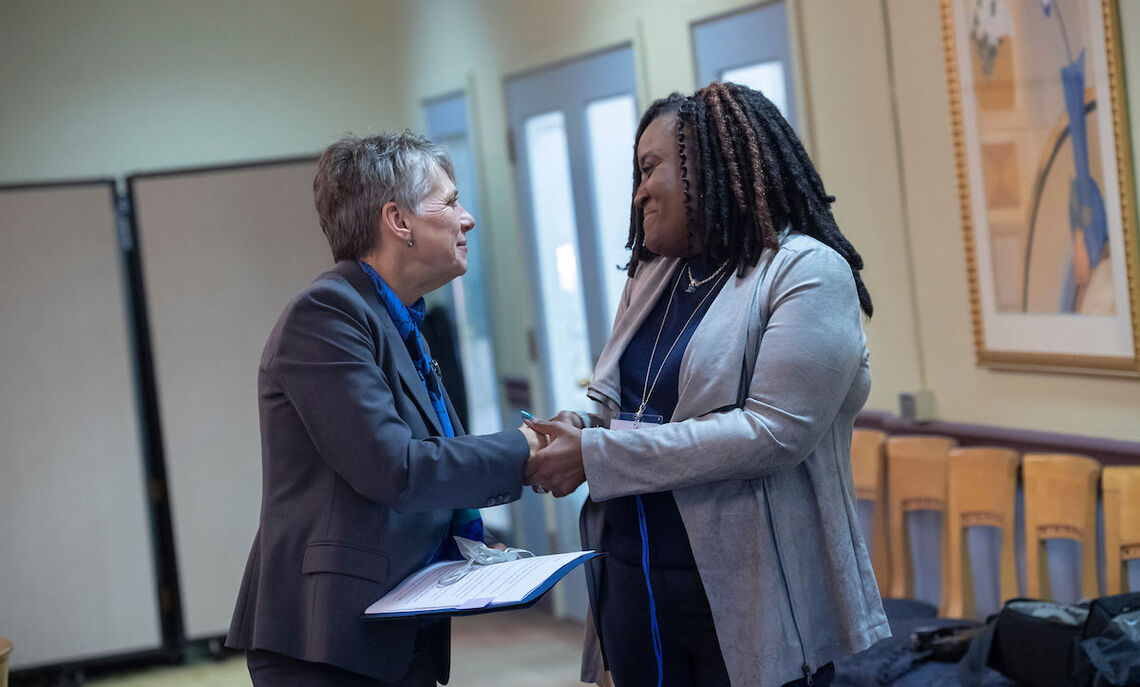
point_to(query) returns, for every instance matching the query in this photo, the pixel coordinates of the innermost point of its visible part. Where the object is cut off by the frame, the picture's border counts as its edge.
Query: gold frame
(1053, 362)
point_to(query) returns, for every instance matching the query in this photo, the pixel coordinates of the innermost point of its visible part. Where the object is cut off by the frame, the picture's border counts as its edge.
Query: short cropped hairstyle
(356, 177)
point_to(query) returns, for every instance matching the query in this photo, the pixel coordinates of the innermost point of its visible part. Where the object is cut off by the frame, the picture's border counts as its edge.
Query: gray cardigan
(757, 455)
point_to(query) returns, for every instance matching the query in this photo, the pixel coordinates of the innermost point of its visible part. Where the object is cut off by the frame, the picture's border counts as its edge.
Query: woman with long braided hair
(719, 463)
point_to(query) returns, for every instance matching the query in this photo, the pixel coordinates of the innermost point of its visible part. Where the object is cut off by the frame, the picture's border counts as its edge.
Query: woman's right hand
(558, 467)
(543, 440)
(534, 440)
(569, 417)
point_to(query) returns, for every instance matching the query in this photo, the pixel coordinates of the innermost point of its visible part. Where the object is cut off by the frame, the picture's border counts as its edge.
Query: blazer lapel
(654, 278)
(409, 376)
(456, 425)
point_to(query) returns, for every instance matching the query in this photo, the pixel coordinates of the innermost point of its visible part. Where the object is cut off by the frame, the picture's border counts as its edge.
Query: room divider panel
(223, 250)
(77, 567)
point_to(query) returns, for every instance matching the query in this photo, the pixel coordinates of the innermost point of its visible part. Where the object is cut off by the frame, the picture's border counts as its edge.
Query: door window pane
(467, 296)
(611, 125)
(472, 317)
(750, 48)
(766, 77)
(556, 237)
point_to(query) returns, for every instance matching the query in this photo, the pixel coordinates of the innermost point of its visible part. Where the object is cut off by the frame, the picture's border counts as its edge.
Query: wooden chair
(916, 480)
(1060, 503)
(981, 490)
(1120, 487)
(5, 650)
(869, 470)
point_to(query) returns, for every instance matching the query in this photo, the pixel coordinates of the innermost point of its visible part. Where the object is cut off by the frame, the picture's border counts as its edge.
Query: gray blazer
(358, 488)
(757, 455)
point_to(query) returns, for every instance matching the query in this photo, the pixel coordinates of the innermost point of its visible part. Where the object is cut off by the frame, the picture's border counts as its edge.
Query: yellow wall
(123, 85)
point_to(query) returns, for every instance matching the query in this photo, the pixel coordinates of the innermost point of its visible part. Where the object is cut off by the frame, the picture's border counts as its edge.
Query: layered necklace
(694, 284)
(647, 388)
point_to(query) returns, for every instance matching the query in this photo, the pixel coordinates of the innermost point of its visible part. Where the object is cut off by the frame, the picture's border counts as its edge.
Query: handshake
(555, 463)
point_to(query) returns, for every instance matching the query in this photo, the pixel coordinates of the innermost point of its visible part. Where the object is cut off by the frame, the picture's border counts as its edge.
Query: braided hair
(754, 178)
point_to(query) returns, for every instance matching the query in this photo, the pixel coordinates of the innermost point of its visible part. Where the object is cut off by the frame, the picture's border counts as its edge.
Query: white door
(750, 48)
(467, 297)
(572, 129)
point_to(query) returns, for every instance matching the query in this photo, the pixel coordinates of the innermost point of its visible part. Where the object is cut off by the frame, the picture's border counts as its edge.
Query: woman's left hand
(557, 467)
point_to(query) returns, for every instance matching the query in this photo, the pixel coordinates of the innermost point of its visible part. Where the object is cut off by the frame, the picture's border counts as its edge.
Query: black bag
(1105, 608)
(1039, 643)
(1114, 656)
(1110, 652)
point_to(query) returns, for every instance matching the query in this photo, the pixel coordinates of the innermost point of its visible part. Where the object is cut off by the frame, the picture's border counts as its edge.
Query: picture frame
(1045, 183)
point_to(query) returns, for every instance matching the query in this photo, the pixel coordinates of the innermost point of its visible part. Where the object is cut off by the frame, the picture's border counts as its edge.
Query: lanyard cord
(647, 388)
(654, 630)
(647, 391)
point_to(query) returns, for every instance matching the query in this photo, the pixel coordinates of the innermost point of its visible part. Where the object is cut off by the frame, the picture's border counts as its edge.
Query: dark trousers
(689, 649)
(690, 652)
(268, 669)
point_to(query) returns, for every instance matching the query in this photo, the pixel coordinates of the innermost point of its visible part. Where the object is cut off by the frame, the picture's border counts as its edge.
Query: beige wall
(121, 85)
(842, 81)
(894, 178)
(475, 45)
(1063, 403)
(856, 152)
(115, 86)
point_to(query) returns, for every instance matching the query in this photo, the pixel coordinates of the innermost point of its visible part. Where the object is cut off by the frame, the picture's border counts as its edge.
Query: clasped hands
(555, 463)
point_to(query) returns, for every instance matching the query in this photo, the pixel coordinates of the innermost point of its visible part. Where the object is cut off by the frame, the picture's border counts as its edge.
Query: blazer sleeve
(811, 349)
(326, 365)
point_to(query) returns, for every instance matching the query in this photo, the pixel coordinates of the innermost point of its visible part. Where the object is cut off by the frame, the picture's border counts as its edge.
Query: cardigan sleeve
(810, 352)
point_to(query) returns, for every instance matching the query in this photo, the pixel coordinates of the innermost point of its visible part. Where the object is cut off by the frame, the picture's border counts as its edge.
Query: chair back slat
(981, 490)
(1060, 503)
(869, 472)
(1120, 487)
(916, 480)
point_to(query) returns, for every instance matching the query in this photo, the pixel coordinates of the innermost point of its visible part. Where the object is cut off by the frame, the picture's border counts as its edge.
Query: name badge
(631, 421)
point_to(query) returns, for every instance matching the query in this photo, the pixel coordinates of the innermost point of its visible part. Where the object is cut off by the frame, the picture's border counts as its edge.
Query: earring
(410, 242)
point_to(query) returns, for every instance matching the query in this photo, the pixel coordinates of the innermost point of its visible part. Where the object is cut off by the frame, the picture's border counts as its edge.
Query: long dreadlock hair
(754, 178)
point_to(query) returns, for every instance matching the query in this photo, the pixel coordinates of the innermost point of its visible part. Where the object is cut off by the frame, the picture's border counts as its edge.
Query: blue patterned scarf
(465, 523)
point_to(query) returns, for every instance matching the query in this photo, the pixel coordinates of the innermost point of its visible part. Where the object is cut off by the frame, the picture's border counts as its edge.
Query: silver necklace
(694, 284)
(647, 389)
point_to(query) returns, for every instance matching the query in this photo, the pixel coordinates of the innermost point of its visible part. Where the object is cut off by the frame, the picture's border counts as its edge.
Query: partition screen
(223, 251)
(76, 556)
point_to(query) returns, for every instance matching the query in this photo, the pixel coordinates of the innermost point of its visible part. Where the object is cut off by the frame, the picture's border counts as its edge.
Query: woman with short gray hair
(367, 474)
(357, 176)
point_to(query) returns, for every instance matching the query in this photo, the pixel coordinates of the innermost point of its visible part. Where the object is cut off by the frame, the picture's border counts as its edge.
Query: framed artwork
(1045, 183)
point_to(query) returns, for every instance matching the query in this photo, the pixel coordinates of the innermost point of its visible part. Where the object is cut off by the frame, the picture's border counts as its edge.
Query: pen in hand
(529, 420)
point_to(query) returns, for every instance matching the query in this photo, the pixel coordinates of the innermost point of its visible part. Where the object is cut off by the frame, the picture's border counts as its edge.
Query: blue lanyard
(653, 628)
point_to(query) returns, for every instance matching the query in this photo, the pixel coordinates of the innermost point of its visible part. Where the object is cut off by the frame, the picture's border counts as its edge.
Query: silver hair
(357, 176)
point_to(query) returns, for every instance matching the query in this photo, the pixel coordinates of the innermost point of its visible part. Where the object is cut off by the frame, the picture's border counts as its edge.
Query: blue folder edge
(527, 601)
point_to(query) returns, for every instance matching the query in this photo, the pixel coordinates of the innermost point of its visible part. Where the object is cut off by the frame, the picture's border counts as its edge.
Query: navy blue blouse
(668, 541)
